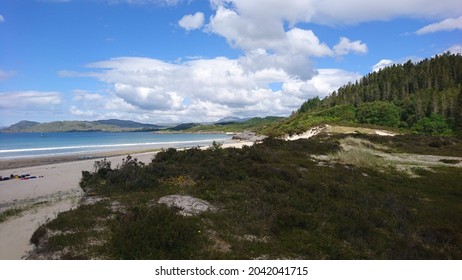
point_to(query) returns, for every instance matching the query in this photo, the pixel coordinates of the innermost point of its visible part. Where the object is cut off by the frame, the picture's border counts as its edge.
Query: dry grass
(359, 157)
(359, 152)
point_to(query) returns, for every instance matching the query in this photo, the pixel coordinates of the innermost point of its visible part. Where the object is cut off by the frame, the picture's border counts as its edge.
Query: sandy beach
(55, 189)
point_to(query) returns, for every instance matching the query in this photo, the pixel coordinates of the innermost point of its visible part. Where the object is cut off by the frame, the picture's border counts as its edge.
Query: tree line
(409, 95)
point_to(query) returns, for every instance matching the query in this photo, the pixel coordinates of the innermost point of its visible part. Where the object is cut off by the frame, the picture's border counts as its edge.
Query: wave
(103, 146)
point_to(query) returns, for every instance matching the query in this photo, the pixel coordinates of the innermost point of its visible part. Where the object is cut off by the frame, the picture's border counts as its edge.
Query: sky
(173, 61)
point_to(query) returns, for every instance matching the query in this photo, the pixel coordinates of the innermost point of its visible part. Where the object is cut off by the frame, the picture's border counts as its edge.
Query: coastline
(55, 189)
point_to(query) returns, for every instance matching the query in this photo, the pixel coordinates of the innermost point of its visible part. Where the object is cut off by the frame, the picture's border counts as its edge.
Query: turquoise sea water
(19, 145)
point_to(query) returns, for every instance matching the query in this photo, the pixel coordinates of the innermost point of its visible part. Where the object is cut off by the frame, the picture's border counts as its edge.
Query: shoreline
(54, 189)
(28, 161)
(12, 163)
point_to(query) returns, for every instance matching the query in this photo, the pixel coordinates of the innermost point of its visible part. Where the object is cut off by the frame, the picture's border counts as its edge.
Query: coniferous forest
(425, 97)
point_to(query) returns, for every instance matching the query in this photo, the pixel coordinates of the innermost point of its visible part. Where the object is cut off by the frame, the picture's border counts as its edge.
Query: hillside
(69, 126)
(254, 124)
(425, 98)
(129, 124)
(21, 126)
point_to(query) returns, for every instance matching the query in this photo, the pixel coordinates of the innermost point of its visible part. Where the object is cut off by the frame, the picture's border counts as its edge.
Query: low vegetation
(277, 199)
(5, 215)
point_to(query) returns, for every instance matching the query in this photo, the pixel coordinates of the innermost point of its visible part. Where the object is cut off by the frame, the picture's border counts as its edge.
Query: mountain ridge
(110, 125)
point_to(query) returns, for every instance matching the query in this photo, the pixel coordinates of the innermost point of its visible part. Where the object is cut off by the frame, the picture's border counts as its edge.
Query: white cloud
(267, 44)
(260, 29)
(77, 112)
(455, 49)
(355, 11)
(448, 24)
(29, 100)
(341, 12)
(191, 22)
(271, 25)
(200, 89)
(345, 46)
(328, 80)
(305, 42)
(100, 106)
(85, 96)
(246, 32)
(382, 64)
(2, 18)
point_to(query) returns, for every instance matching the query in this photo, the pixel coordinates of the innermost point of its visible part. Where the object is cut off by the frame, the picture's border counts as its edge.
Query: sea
(25, 145)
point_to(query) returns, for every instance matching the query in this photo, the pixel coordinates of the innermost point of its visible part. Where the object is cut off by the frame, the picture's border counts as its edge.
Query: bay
(20, 145)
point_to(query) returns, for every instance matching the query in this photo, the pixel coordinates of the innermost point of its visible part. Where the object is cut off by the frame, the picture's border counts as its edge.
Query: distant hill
(184, 126)
(252, 124)
(129, 124)
(423, 97)
(112, 125)
(20, 126)
(231, 120)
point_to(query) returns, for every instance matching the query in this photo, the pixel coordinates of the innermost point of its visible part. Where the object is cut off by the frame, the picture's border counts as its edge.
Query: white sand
(337, 129)
(308, 134)
(57, 191)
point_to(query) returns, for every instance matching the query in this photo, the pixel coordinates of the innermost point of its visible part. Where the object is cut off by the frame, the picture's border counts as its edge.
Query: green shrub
(38, 234)
(433, 125)
(379, 113)
(341, 112)
(155, 233)
(131, 175)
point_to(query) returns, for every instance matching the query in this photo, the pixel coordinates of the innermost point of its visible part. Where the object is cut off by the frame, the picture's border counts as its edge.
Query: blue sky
(161, 61)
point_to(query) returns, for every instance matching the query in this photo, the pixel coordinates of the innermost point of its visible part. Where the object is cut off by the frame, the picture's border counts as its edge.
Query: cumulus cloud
(29, 100)
(191, 22)
(345, 46)
(268, 30)
(266, 43)
(200, 89)
(448, 24)
(329, 80)
(101, 106)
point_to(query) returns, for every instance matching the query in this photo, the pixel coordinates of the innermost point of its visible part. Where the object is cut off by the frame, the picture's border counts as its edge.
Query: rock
(188, 205)
(246, 135)
(91, 200)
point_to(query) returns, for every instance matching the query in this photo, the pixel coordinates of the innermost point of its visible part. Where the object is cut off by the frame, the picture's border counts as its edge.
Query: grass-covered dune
(278, 199)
